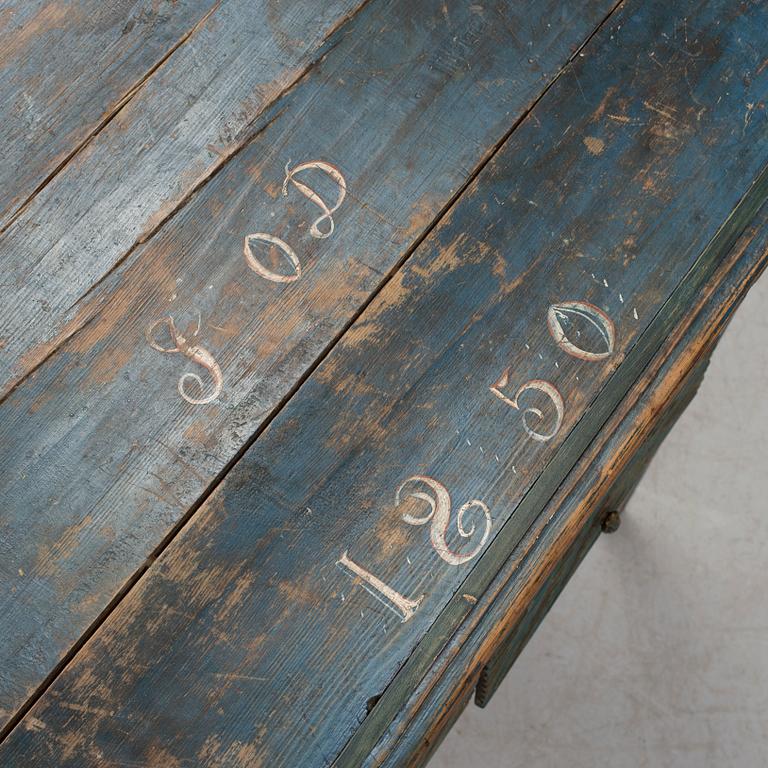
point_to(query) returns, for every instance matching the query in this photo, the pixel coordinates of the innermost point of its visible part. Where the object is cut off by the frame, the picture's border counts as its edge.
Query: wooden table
(330, 336)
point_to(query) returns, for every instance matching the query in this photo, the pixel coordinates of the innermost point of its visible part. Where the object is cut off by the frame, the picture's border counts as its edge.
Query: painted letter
(264, 271)
(587, 313)
(196, 354)
(335, 174)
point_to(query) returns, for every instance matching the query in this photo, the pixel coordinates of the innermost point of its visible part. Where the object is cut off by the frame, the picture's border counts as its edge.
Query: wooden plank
(66, 68)
(192, 115)
(118, 458)
(432, 706)
(545, 484)
(246, 640)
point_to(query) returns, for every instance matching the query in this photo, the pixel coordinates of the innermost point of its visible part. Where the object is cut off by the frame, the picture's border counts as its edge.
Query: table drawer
(605, 517)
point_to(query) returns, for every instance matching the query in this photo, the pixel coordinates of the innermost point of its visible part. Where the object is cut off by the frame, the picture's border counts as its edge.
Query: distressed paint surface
(65, 68)
(196, 354)
(117, 455)
(438, 500)
(198, 647)
(187, 120)
(540, 560)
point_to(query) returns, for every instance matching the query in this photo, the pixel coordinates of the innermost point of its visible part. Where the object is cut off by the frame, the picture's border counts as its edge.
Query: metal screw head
(611, 522)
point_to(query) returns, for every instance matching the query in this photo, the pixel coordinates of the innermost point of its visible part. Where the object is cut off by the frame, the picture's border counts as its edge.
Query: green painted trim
(490, 562)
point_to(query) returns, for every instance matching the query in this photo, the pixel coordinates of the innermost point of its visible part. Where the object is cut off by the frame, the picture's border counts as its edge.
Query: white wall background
(656, 653)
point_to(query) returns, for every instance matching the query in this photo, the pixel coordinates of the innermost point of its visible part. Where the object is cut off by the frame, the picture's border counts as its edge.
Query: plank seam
(122, 102)
(133, 580)
(326, 45)
(757, 191)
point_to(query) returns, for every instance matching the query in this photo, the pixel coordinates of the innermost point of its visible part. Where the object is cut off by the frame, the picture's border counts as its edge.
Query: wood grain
(632, 215)
(542, 593)
(194, 113)
(404, 105)
(536, 563)
(66, 68)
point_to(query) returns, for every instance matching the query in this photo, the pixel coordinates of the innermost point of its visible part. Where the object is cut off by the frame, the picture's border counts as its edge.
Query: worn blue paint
(236, 641)
(432, 705)
(118, 459)
(66, 68)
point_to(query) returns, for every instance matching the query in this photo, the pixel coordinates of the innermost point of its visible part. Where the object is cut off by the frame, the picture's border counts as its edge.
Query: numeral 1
(396, 602)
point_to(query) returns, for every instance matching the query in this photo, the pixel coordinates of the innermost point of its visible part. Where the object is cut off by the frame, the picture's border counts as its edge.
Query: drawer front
(613, 501)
